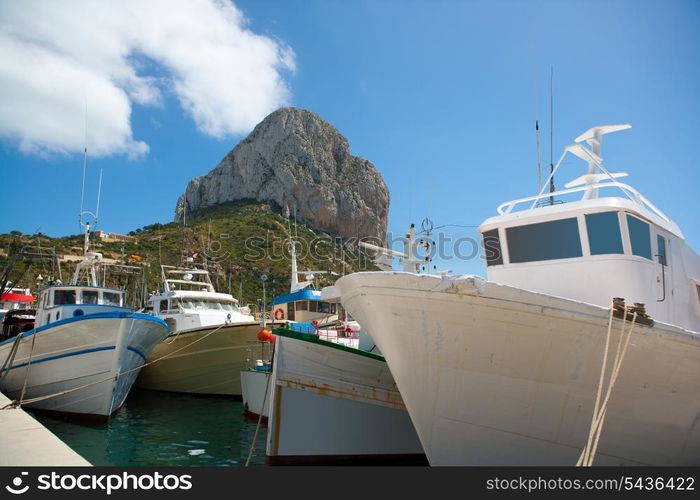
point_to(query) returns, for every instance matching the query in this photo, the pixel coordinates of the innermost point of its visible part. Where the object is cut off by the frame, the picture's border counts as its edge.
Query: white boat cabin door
(664, 276)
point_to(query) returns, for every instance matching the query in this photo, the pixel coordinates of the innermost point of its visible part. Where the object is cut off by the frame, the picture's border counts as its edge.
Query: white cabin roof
(559, 210)
(193, 294)
(594, 187)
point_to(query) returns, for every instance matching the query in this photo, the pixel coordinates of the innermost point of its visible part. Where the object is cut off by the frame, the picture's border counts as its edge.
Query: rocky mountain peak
(297, 159)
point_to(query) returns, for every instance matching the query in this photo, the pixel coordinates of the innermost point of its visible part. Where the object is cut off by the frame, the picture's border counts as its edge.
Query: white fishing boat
(334, 404)
(535, 365)
(255, 381)
(85, 349)
(303, 309)
(206, 348)
(328, 401)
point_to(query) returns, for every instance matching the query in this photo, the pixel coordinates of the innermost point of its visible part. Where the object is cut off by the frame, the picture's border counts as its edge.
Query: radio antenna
(551, 133)
(539, 165)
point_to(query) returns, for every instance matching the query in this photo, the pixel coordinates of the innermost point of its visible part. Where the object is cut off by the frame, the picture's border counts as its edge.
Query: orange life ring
(279, 314)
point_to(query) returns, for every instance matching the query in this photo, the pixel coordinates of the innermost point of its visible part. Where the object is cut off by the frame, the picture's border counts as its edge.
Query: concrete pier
(25, 442)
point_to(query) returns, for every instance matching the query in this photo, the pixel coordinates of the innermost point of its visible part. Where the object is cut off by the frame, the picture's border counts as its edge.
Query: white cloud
(59, 58)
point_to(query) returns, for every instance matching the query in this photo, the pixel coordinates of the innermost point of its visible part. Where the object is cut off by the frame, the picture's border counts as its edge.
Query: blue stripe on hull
(88, 317)
(137, 351)
(59, 356)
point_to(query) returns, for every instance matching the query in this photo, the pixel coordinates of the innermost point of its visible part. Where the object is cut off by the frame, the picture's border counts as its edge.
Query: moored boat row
(579, 346)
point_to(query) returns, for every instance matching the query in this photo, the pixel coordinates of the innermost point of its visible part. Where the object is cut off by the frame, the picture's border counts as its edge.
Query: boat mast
(90, 259)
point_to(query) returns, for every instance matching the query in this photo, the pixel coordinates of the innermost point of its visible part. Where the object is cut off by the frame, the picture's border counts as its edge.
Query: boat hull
(256, 393)
(212, 365)
(496, 375)
(90, 351)
(336, 405)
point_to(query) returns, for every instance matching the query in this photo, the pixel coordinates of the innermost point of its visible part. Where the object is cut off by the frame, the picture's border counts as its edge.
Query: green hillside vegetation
(241, 241)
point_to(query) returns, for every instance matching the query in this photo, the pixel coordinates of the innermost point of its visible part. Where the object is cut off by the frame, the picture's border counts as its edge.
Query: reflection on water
(162, 429)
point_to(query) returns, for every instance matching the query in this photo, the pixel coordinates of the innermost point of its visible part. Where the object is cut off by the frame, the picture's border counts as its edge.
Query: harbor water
(165, 429)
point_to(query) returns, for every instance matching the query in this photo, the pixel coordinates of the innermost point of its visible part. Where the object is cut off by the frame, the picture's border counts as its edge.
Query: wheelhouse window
(110, 299)
(604, 235)
(62, 297)
(552, 240)
(640, 236)
(492, 248)
(661, 247)
(313, 306)
(89, 297)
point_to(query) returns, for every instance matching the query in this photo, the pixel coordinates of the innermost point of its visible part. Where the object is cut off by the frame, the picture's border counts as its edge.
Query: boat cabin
(305, 306)
(61, 302)
(595, 247)
(189, 300)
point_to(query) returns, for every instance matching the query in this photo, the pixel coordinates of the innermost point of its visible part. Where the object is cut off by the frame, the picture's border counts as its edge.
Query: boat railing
(634, 195)
(259, 356)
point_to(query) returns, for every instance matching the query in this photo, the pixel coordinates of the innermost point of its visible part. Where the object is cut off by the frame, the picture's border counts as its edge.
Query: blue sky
(441, 96)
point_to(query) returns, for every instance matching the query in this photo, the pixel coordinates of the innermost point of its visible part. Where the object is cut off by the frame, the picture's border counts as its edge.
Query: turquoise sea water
(164, 429)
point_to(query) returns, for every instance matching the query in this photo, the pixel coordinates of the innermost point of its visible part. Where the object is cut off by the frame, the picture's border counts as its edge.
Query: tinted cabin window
(302, 306)
(604, 233)
(639, 237)
(290, 311)
(111, 299)
(492, 248)
(163, 306)
(313, 306)
(89, 297)
(661, 245)
(63, 297)
(324, 307)
(557, 239)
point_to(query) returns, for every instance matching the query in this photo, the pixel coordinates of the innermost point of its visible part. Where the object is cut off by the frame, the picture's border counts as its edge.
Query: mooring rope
(600, 410)
(262, 409)
(29, 367)
(20, 402)
(10, 358)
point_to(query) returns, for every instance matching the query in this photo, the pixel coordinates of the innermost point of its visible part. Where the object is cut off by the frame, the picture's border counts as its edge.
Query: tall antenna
(82, 182)
(551, 133)
(99, 193)
(82, 187)
(539, 166)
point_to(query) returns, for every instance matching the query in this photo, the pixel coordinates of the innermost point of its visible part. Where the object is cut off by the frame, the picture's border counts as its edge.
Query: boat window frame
(630, 216)
(662, 255)
(65, 291)
(116, 294)
(620, 232)
(573, 221)
(491, 240)
(95, 292)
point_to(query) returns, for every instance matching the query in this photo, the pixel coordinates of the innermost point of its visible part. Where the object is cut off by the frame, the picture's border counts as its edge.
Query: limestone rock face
(297, 159)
